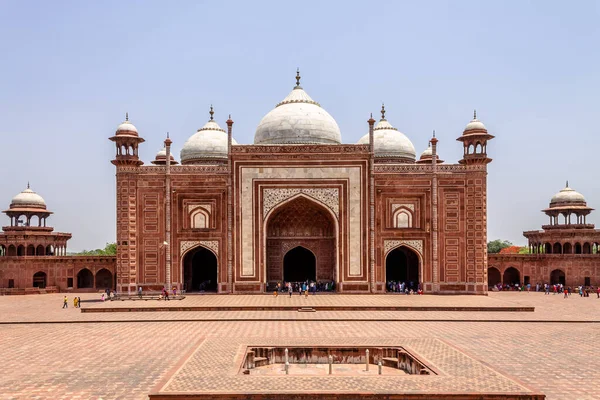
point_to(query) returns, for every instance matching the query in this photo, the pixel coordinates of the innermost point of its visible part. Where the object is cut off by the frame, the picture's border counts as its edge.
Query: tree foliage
(109, 250)
(496, 245)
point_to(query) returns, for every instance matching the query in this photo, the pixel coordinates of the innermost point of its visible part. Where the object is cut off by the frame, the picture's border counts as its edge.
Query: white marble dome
(567, 195)
(208, 143)
(28, 199)
(126, 128)
(427, 153)
(390, 142)
(298, 119)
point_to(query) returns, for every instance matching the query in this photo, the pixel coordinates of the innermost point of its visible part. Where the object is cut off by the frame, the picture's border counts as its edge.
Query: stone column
(434, 216)
(371, 122)
(168, 246)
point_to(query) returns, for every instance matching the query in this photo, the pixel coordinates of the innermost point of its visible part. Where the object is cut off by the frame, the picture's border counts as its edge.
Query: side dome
(28, 199)
(427, 156)
(298, 119)
(390, 142)
(126, 128)
(567, 196)
(208, 144)
(161, 158)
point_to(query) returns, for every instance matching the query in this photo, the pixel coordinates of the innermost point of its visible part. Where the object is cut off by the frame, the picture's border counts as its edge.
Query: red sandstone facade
(331, 212)
(33, 257)
(566, 251)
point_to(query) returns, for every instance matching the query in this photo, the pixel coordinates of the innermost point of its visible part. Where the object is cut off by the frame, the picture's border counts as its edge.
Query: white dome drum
(298, 119)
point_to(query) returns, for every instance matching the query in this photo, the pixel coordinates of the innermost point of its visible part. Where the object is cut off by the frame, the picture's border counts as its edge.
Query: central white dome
(298, 119)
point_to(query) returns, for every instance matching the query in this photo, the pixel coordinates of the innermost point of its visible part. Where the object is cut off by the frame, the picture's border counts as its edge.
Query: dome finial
(434, 133)
(27, 184)
(567, 183)
(474, 114)
(167, 135)
(297, 78)
(126, 116)
(382, 111)
(211, 112)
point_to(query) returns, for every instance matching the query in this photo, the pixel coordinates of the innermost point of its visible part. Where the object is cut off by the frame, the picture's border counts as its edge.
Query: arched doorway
(21, 250)
(200, 270)
(567, 248)
(103, 279)
(577, 248)
(494, 276)
(557, 249)
(85, 279)
(304, 223)
(39, 280)
(557, 276)
(299, 265)
(548, 248)
(402, 265)
(511, 276)
(12, 250)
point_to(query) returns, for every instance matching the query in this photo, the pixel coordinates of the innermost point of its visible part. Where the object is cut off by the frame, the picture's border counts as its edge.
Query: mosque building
(299, 204)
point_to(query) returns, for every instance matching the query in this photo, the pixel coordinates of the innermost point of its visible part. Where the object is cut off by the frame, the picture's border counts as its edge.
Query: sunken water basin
(333, 360)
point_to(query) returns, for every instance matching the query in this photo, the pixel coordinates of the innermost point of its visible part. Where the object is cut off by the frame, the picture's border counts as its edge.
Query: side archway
(512, 276)
(494, 276)
(40, 280)
(557, 277)
(85, 279)
(104, 279)
(402, 264)
(200, 270)
(299, 265)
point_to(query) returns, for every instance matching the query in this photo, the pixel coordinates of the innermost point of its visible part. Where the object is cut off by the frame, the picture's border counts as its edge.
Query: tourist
(78, 302)
(174, 292)
(65, 302)
(166, 294)
(140, 292)
(290, 289)
(103, 296)
(598, 291)
(566, 293)
(75, 302)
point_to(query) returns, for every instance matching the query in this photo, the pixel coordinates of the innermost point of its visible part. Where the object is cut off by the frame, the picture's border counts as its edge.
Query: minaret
(127, 161)
(168, 247)
(434, 215)
(474, 138)
(229, 207)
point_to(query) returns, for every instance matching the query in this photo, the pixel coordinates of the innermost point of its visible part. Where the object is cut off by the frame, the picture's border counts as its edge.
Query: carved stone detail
(411, 207)
(185, 245)
(417, 245)
(328, 196)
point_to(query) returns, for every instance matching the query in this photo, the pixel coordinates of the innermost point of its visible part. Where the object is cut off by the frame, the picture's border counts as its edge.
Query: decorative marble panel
(416, 245)
(185, 245)
(328, 196)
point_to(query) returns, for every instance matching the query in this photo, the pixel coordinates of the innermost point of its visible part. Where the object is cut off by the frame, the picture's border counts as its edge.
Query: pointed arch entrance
(298, 225)
(39, 280)
(299, 265)
(85, 279)
(557, 276)
(494, 276)
(200, 270)
(402, 265)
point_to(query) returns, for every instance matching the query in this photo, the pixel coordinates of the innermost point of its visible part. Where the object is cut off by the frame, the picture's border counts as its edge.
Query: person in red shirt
(566, 293)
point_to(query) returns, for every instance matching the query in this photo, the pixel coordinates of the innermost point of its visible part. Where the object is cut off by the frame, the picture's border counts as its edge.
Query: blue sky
(71, 69)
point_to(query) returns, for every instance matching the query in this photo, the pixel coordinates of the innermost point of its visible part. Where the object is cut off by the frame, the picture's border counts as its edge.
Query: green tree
(109, 250)
(496, 245)
(524, 250)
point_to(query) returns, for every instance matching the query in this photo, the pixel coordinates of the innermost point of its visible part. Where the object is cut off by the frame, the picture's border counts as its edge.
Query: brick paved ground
(127, 359)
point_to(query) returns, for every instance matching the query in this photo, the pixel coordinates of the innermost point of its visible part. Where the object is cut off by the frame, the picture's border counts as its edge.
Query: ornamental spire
(297, 79)
(126, 116)
(211, 112)
(382, 111)
(474, 114)
(27, 184)
(565, 186)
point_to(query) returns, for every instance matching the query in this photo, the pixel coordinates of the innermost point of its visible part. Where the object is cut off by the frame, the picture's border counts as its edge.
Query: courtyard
(56, 353)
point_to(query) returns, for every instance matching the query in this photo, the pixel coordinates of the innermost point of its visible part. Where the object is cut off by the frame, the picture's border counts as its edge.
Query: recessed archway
(85, 279)
(103, 279)
(200, 270)
(567, 248)
(402, 265)
(299, 265)
(557, 276)
(301, 222)
(39, 280)
(511, 276)
(557, 248)
(494, 276)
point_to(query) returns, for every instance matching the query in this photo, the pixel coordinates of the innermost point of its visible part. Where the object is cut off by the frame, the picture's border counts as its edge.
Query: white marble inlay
(328, 196)
(416, 245)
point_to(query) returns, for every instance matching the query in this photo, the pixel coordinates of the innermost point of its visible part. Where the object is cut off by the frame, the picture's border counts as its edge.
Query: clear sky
(71, 69)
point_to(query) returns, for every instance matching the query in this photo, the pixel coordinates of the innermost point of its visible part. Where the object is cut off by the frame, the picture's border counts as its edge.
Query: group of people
(76, 302)
(547, 288)
(403, 287)
(305, 287)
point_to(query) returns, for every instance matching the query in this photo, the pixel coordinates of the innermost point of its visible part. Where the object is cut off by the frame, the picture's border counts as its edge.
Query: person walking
(78, 302)
(75, 302)
(290, 290)
(140, 292)
(566, 293)
(65, 302)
